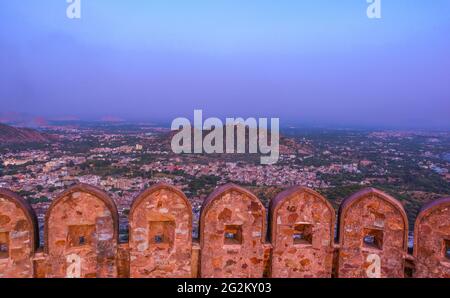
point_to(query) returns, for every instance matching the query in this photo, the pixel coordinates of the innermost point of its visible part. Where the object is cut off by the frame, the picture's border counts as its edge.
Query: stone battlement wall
(236, 239)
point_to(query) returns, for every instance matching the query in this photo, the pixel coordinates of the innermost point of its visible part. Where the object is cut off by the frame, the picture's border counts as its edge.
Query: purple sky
(317, 62)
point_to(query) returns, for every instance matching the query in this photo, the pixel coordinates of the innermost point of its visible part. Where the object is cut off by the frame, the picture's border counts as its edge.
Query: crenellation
(302, 234)
(18, 236)
(161, 233)
(232, 234)
(432, 240)
(81, 236)
(373, 234)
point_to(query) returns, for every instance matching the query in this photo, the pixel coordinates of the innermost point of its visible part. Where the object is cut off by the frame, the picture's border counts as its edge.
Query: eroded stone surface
(294, 214)
(161, 234)
(372, 214)
(17, 232)
(81, 231)
(432, 240)
(81, 237)
(123, 261)
(232, 232)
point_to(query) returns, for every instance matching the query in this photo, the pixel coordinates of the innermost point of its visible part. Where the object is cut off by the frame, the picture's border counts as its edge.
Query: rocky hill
(287, 145)
(15, 135)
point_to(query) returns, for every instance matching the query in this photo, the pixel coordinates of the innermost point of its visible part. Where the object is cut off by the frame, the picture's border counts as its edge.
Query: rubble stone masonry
(432, 240)
(18, 236)
(81, 232)
(373, 232)
(302, 234)
(81, 236)
(232, 225)
(161, 234)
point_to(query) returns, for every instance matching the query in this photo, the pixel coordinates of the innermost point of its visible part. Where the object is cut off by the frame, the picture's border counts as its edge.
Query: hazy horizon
(315, 62)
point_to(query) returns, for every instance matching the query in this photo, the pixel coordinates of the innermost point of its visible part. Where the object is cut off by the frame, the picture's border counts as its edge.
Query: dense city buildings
(124, 159)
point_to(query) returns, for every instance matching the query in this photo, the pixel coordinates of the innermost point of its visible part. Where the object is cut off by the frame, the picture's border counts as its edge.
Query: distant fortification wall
(236, 239)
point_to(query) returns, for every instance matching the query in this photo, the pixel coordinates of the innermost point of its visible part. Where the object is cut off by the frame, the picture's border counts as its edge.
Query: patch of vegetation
(38, 200)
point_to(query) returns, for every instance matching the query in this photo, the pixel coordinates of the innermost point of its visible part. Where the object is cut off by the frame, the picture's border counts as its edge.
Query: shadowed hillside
(14, 135)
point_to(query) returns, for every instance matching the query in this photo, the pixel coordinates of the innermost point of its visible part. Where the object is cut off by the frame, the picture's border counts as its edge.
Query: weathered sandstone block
(18, 236)
(373, 230)
(432, 240)
(123, 260)
(161, 233)
(81, 234)
(232, 233)
(302, 234)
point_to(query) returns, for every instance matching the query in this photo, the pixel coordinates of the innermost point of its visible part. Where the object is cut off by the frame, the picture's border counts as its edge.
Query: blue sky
(310, 61)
